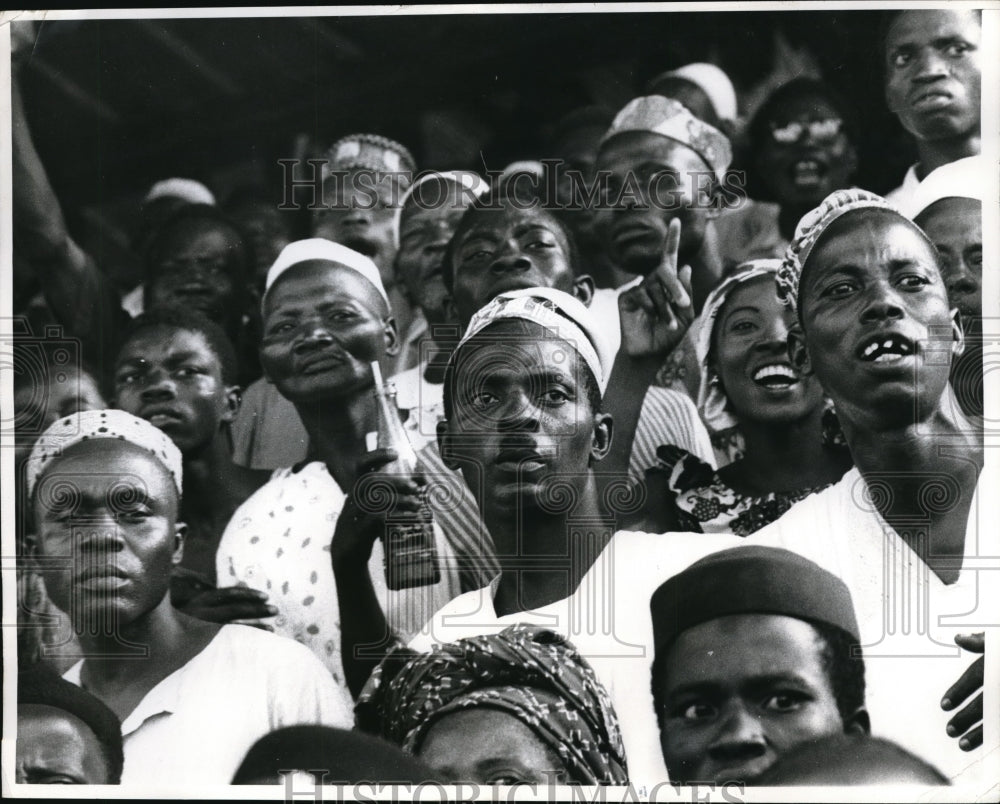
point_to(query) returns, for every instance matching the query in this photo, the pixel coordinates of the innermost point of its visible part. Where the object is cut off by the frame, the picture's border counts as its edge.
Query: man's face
(108, 509)
(324, 324)
(751, 357)
(955, 227)
(361, 216)
(738, 693)
(268, 232)
(60, 394)
(56, 747)
(933, 72)
(876, 320)
(806, 155)
(172, 378)
(424, 232)
(196, 268)
(521, 419)
(664, 177)
(508, 249)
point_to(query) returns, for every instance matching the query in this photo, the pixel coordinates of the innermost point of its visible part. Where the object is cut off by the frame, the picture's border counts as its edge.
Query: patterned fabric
(705, 504)
(279, 540)
(559, 313)
(529, 672)
(712, 402)
(371, 152)
(810, 229)
(93, 424)
(668, 118)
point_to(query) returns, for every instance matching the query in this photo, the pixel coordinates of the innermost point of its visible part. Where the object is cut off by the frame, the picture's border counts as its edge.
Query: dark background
(115, 106)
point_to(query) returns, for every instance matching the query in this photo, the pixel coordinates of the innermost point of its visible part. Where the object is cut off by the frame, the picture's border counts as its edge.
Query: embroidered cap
(95, 424)
(669, 118)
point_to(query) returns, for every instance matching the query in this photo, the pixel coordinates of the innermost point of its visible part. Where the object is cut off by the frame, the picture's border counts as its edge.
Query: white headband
(559, 313)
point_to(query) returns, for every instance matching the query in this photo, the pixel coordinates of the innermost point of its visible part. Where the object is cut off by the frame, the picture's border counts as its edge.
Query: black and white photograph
(503, 403)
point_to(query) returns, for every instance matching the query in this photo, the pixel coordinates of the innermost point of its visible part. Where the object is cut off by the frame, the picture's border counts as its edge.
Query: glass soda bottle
(410, 555)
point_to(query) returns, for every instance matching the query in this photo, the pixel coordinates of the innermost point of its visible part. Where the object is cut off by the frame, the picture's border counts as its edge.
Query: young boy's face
(740, 691)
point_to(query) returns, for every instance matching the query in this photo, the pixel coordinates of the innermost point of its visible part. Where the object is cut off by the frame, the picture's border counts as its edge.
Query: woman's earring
(957, 345)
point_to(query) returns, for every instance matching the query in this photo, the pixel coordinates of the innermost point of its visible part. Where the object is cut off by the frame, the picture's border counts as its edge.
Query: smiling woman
(748, 383)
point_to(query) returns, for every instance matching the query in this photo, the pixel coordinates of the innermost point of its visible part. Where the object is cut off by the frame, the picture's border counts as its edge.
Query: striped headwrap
(812, 226)
(531, 673)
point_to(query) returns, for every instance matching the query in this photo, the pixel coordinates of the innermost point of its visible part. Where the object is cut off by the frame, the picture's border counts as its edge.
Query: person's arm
(654, 317)
(365, 635)
(80, 295)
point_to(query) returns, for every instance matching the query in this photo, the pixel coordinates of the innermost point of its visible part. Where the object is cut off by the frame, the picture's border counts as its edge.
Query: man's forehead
(509, 349)
(166, 340)
(918, 26)
(119, 462)
(306, 281)
(638, 147)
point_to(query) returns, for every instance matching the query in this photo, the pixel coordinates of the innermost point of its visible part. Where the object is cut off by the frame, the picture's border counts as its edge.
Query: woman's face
(806, 154)
(487, 746)
(751, 357)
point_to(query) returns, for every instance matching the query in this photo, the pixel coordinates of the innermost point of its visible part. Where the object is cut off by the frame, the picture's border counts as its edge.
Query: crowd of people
(699, 459)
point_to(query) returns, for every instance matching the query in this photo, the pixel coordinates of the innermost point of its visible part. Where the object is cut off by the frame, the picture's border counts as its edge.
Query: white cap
(319, 248)
(963, 178)
(712, 81)
(194, 192)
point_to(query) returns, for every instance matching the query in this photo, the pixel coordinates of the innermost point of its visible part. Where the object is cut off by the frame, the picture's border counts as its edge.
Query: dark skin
(324, 325)
(655, 315)
(537, 410)
(933, 82)
(876, 274)
(171, 377)
(133, 548)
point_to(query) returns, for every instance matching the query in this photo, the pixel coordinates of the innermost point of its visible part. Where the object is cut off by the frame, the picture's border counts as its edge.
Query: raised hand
(656, 314)
(967, 725)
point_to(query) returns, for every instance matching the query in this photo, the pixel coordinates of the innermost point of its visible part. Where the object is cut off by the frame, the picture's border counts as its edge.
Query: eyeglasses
(817, 129)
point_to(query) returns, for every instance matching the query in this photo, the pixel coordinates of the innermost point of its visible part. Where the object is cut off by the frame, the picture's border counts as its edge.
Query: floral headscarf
(526, 671)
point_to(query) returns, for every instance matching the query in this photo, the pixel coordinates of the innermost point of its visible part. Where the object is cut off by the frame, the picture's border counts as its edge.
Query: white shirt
(278, 541)
(424, 402)
(902, 196)
(907, 617)
(197, 724)
(608, 621)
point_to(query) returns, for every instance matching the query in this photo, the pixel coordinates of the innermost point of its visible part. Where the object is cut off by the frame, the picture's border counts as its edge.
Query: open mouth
(807, 173)
(776, 376)
(886, 348)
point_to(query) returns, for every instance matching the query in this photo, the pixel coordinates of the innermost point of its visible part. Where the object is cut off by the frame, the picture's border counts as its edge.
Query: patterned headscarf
(671, 119)
(711, 399)
(811, 228)
(371, 152)
(93, 424)
(563, 315)
(528, 672)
